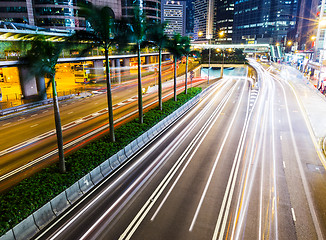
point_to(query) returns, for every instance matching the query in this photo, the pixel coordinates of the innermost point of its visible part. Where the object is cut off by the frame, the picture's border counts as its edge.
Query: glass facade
(152, 8)
(267, 21)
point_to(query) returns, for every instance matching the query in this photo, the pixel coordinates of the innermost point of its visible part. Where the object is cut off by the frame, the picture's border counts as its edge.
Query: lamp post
(209, 58)
(221, 35)
(222, 68)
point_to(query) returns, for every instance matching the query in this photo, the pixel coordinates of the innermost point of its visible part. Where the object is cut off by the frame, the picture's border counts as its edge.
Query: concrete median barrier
(145, 137)
(96, 175)
(59, 203)
(25, 229)
(140, 141)
(105, 168)
(134, 146)
(128, 150)
(122, 156)
(8, 235)
(44, 216)
(114, 161)
(150, 134)
(73, 193)
(85, 183)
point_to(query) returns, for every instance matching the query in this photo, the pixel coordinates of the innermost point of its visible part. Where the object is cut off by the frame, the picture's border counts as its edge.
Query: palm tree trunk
(160, 79)
(109, 95)
(58, 128)
(175, 78)
(140, 93)
(186, 77)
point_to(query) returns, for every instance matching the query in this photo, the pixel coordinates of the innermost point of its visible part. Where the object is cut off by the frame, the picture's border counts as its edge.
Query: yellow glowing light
(221, 33)
(218, 50)
(277, 44)
(289, 43)
(322, 23)
(200, 34)
(313, 38)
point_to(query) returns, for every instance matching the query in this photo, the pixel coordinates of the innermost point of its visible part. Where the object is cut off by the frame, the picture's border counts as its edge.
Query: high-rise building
(307, 24)
(58, 14)
(174, 14)
(266, 21)
(223, 20)
(203, 20)
(190, 18)
(151, 8)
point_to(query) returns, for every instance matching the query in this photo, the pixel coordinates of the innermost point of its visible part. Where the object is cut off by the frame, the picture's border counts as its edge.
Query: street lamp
(222, 68)
(209, 55)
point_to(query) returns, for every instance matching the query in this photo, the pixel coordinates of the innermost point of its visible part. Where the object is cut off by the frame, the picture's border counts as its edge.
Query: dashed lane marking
(34, 125)
(293, 215)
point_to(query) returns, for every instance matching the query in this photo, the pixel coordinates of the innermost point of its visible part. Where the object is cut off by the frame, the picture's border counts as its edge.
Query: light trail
(153, 198)
(154, 163)
(302, 174)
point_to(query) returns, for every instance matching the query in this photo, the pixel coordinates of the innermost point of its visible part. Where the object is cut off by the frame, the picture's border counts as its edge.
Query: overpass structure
(247, 48)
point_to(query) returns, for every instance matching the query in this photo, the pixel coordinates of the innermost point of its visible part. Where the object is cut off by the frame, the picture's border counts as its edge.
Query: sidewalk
(313, 101)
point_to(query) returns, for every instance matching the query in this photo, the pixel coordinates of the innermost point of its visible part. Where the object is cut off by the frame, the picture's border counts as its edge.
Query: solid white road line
(106, 190)
(215, 163)
(156, 194)
(302, 174)
(34, 125)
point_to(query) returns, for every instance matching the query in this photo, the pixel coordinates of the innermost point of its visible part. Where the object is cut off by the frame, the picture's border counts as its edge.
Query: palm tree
(41, 60)
(175, 46)
(157, 37)
(137, 35)
(103, 34)
(186, 51)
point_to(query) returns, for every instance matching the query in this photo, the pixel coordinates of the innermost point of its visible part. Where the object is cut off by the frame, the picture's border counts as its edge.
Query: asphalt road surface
(242, 164)
(28, 140)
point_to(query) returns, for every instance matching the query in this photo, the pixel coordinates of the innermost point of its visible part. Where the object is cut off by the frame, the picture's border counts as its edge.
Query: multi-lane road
(28, 140)
(242, 164)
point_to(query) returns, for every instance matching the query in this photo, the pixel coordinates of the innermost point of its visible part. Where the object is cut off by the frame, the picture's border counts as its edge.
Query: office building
(58, 14)
(151, 8)
(223, 21)
(266, 21)
(203, 20)
(190, 18)
(307, 24)
(174, 14)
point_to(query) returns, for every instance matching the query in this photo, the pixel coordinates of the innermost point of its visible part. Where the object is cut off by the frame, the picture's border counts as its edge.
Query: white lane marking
(215, 164)
(198, 136)
(34, 115)
(70, 112)
(302, 174)
(109, 188)
(45, 111)
(6, 124)
(158, 191)
(34, 125)
(20, 119)
(284, 165)
(96, 103)
(293, 215)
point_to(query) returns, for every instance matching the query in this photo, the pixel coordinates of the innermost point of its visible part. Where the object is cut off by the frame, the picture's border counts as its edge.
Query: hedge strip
(32, 193)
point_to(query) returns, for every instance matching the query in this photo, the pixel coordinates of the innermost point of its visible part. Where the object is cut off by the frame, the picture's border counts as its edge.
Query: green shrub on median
(32, 193)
